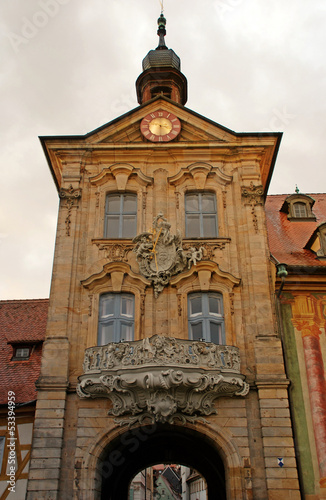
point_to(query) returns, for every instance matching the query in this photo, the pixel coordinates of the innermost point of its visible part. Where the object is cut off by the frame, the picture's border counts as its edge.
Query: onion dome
(161, 72)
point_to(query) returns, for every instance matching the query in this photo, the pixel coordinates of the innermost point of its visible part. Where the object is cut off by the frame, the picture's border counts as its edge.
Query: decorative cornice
(199, 172)
(114, 251)
(208, 267)
(121, 172)
(162, 378)
(113, 268)
(209, 245)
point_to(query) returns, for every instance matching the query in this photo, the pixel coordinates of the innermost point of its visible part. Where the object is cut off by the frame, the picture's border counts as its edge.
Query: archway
(139, 448)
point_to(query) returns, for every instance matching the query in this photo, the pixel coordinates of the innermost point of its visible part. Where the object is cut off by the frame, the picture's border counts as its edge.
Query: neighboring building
(162, 344)
(297, 229)
(164, 491)
(194, 486)
(167, 481)
(22, 331)
(141, 487)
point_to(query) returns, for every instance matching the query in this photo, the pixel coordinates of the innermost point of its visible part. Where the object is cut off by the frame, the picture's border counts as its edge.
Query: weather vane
(162, 6)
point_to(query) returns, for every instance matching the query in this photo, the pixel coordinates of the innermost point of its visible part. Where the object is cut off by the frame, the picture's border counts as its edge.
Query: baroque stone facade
(164, 347)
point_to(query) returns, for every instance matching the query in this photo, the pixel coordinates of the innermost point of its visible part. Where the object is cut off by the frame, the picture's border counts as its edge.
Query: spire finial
(162, 6)
(297, 189)
(161, 29)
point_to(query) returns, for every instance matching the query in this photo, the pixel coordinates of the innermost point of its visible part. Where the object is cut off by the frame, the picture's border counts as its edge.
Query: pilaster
(308, 320)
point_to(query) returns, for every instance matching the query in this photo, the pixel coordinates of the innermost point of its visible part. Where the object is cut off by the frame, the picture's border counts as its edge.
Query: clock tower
(162, 344)
(161, 74)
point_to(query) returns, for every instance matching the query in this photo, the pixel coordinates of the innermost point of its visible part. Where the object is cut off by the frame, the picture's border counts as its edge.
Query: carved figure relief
(160, 254)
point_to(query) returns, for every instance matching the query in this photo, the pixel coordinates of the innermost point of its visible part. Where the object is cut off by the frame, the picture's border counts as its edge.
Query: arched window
(120, 216)
(206, 317)
(116, 318)
(300, 209)
(201, 215)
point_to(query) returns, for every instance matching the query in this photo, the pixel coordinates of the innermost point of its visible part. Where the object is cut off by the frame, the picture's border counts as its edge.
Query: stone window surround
(201, 213)
(205, 317)
(205, 277)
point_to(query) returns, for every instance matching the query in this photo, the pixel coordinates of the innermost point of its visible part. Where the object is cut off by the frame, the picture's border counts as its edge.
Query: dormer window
(299, 207)
(317, 242)
(21, 353)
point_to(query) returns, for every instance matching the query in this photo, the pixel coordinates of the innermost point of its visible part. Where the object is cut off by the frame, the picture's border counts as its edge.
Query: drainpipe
(281, 273)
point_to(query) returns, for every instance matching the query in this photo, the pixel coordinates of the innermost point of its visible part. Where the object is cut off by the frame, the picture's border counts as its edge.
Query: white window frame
(205, 318)
(201, 213)
(22, 352)
(121, 214)
(117, 318)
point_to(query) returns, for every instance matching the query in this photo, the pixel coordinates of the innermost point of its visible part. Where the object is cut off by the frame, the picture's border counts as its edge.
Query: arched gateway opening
(139, 448)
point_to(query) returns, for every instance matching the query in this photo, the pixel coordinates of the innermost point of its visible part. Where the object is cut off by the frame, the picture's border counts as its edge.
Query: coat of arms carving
(160, 254)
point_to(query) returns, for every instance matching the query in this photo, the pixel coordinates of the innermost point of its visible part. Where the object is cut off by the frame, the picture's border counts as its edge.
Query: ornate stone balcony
(162, 378)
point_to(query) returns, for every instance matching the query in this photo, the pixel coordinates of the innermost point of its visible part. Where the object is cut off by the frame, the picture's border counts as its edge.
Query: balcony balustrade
(162, 378)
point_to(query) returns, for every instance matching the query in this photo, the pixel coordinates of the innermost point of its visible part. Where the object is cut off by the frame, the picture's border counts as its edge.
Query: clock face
(160, 126)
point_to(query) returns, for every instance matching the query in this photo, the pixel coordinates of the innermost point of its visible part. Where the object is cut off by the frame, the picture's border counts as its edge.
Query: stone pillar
(306, 321)
(276, 427)
(46, 455)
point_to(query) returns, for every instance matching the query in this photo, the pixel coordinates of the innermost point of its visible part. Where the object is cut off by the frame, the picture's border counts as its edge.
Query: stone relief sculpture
(160, 254)
(162, 379)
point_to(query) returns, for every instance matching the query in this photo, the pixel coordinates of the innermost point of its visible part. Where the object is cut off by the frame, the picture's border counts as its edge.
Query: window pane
(300, 210)
(215, 305)
(208, 203)
(192, 203)
(209, 225)
(192, 226)
(113, 203)
(112, 226)
(22, 353)
(106, 333)
(216, 332)
(196, 331)
(106, 306)
(129, 226)
(127, 306)
(196, 307)
(129, 203)
(126, 332)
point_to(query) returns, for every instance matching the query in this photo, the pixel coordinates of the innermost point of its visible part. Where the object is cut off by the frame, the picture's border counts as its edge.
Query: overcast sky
(69, 66)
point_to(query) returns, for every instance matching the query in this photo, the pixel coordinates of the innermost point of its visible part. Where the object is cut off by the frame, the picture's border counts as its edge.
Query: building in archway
(162, 343)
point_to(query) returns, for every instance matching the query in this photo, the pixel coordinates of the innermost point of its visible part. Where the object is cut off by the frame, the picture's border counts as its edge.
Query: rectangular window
(300, 210)
(206, 318)
(116, 318)
(120, 216)
(21, 353)
(201, 215)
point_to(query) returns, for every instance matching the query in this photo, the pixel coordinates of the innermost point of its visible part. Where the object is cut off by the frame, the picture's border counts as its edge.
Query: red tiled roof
(21, 322)
(287, 238)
